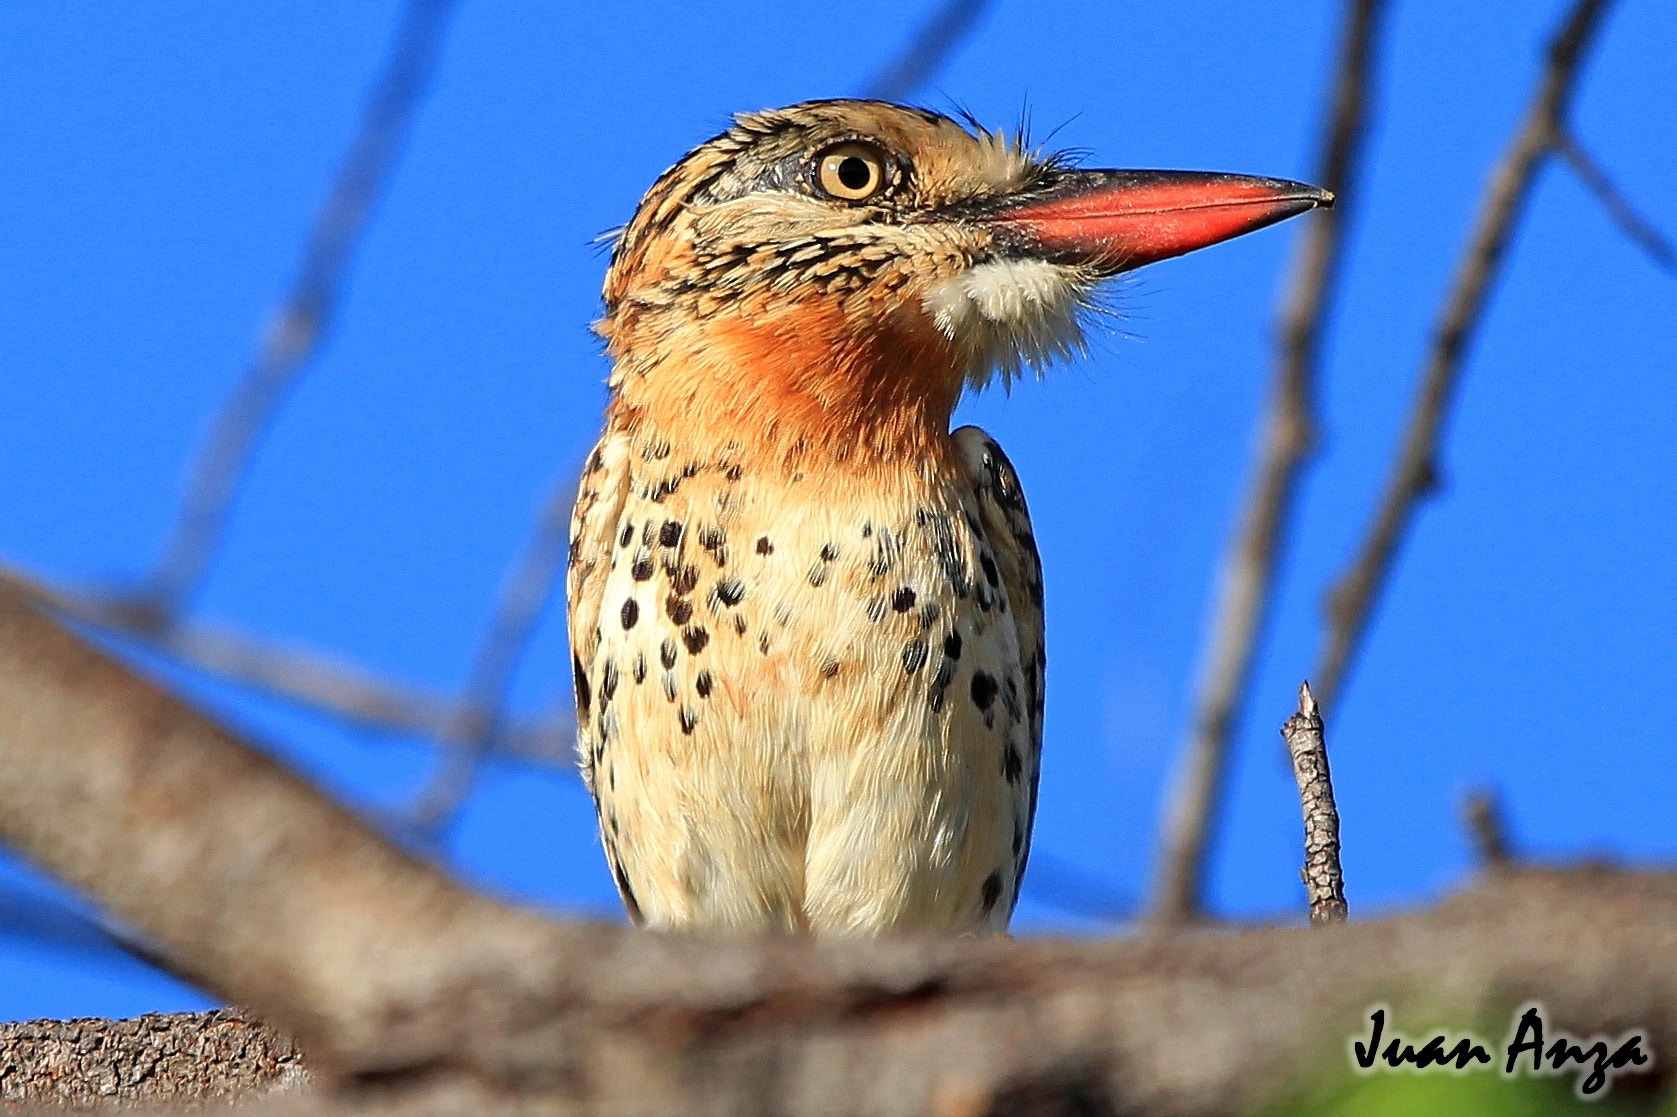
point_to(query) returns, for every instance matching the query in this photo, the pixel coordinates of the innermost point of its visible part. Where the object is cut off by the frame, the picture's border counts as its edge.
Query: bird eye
(851, 171)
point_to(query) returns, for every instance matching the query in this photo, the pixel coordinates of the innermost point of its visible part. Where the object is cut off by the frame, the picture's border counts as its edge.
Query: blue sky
(163, 161)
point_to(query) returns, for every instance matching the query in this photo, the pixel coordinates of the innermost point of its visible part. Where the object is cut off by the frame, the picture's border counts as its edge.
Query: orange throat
(802, 385)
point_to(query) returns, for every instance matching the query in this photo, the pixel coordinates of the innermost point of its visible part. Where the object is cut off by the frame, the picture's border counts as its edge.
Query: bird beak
(1118, 220)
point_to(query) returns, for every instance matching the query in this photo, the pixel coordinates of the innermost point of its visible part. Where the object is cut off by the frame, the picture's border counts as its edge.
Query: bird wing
(1007, 527)
(595, 521)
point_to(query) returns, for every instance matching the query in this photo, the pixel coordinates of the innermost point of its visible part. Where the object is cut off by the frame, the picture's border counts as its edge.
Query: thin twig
(1414, 474)
(1324, 882)
(927, 51)
(1486, 828)
(294, 334)
(312, 682)
(1246, 583)
(467, 737)
(1639, 231)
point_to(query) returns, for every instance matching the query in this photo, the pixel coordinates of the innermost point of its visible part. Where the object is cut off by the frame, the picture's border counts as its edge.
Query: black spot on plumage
(715, 541)
(701, 683)
(829, 552)
(991, 892)
(829, 668)
(579, 679)
(670, 534)
(730, 591)
(940, 682)
(688, 717)
(608, 682)
(876, 610)
(929, 613)
(684, 578)
(627, 536)
(763, 643)
(639, 671)
(1012, 765)
(695, 638)
(667, 653)
(867, 528)
(903, 600)
(1010, 699)
(739, 623)
(989, 565)
(952, 644)
(734, 472)
(764, 547)
(818, 575)
(623, 888)
(914, 655)
(679, 608)
(631, 613)
(641, 569)
(983, 689)
(669, 685)
(1018, 837)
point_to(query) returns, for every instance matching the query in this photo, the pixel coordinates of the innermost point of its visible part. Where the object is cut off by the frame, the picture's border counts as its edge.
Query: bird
(807, 616)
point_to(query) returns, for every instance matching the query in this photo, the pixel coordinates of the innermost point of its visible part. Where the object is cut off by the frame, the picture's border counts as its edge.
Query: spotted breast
(808, 702)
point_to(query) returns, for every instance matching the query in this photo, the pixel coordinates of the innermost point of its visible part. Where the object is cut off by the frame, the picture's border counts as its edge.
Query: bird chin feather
(1008, 315)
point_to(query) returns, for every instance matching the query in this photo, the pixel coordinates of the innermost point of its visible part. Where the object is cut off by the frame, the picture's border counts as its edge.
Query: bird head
(840, 270)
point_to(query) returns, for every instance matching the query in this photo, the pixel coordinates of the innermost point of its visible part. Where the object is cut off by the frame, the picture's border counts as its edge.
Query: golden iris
(851, 171)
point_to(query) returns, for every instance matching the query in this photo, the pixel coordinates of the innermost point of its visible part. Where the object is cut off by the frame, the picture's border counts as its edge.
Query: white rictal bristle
(1011, 314)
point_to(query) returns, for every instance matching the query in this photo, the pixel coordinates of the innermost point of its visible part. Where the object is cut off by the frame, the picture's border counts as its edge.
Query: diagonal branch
(1414, 473)
(318, 684)
(294, 335)
(927, 51)
(1246, 583)
(475, 724)
(1640, 232)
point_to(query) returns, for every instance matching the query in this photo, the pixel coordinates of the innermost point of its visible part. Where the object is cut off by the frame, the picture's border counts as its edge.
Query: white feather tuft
(1010, 315)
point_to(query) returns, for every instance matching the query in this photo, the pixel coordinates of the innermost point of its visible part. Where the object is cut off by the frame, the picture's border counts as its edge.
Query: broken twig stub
(1324, 882)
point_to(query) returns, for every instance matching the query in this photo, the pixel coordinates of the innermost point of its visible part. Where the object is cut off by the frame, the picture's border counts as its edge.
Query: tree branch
(294, 335)
(1324, 881)
(1639, 231)
(1246, 582)
(316, 683)
(471, 731)
(406, 990)
(1487, 830)
(1414, 473)
(927, 51)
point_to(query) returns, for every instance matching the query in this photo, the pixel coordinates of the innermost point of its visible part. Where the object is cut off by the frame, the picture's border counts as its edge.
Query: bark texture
(181, 1058)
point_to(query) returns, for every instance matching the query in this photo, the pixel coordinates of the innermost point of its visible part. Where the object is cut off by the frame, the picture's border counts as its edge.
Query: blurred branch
(471, 731)
(312, 682)
(294, 334)
(927, 51)
(1246, 582)
(1415, 472)
(1324, 881)
(1640, 232)
(408, 993)
(1487, 829)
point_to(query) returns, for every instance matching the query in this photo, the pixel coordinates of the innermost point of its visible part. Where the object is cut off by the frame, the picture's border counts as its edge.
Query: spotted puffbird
(807, 618)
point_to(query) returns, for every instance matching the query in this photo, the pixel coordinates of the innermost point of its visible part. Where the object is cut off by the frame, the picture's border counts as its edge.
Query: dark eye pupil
(854, 173)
